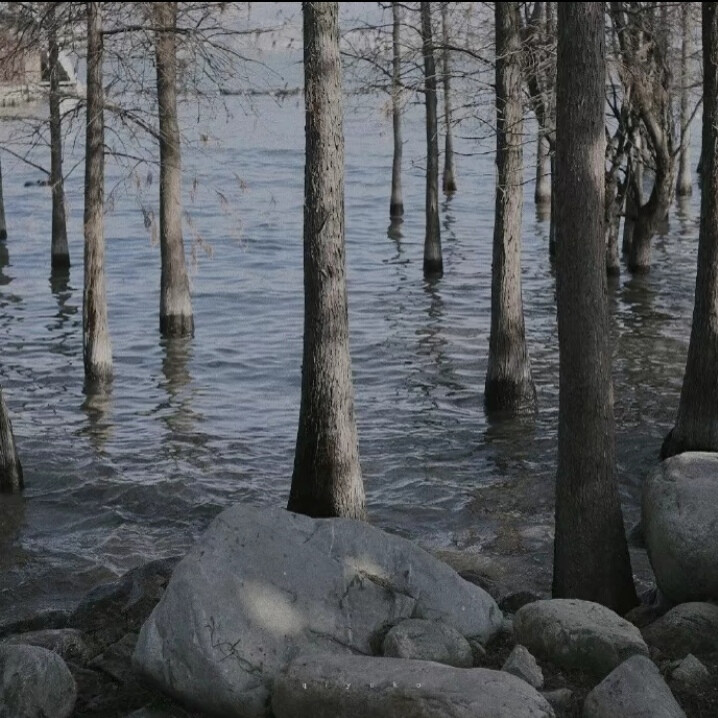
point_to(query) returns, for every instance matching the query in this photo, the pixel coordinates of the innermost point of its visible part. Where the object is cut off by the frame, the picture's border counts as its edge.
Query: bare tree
(11, 479)
(684, 183)
(396, 206)
(591, 558)
(3, 226)
(449, 169)
(327, 477)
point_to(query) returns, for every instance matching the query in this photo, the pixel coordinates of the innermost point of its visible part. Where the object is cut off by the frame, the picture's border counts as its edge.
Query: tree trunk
(396, 206)
(509, 385)
(591, 558)
(433, 262)
(59, 253)
(176, 318)
(612, 225)
(449, 170)
(327, 477)
(3, 226)
(684, 185)
(696, 427)
(97, 349)
(542, 193)
(10, 468)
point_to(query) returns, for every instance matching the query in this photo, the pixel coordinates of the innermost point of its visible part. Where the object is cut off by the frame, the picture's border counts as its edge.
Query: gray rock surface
(680, 521)
(428, 641)
(690, 674)
(561, 699)
(633, 690)
(522, 664)
(577, 634)
(687, 628)
(263, 586)
(69, 643)
(352, 686)
(34, 683)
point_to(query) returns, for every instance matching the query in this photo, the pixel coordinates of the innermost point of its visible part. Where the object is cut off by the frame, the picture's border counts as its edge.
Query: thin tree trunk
(97, 348)
(3, 226)
(396, 206)
(591, 558)
(433, 262)
(59, 252)
(176, 318)
(449, 169)
(11, 479)
(696, 427)
(612, 225)
(542, 193)
(327, 477)
(509, 385)
(684, 185)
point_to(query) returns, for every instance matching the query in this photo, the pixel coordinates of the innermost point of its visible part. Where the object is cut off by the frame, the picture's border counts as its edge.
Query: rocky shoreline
(274, 614)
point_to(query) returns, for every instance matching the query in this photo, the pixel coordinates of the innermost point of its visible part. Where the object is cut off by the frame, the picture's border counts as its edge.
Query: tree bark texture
(542, 192)
(684, 184)
(176, 318)
(97, 348)
(634, 191)
(509, 386)
(449, 168)
(396, 205)
(327, 477)
(591, 558)
(11, 479)
(696, 427)
(59, 251)
(433, 262)
(3, 226)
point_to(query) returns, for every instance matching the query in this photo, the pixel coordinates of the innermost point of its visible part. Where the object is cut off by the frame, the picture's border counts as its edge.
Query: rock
(522, 664)
(653, 605)
(114, 609)
(428, 641)
(34, 683)
(636, 537)
(331, 686)
(513, 601)
(690, 675)
(116, 660)
(577, 635)
(69, 643)
(633, 690)
(681, 526)
(263, 586)
(44, 620)
(687, 628)
(561, 699)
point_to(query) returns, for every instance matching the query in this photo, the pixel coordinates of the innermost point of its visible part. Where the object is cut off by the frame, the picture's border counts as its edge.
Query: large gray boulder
(633, 690)
(687, 628)
(680, 517)
(349, 686)
(428, 641)
(577, 634)
(34, 683)
(263, 586)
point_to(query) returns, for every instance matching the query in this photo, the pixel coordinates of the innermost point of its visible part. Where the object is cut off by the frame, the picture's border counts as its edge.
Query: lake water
(192, 426)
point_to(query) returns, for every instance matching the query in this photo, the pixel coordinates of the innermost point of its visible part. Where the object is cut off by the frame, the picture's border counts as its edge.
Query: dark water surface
(192, 426)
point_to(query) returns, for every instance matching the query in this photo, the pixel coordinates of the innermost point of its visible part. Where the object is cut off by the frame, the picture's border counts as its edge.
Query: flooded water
(192, 426)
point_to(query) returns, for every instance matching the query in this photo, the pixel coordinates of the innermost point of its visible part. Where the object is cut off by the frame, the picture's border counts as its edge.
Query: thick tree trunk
(97, 349)
(433, 262)
(542, 192)
(449, 169)
(176, 318)
(59, 253)
(10, 468)
(591, 558)
(696, 427)
(509, 385)
(396, 205)
(684, 184)
(3, 226)
(327, 477)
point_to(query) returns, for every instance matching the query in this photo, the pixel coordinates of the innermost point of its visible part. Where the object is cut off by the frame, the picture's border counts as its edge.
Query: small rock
(522, 664)
(690, 675)
(511, 602)
(478, 652)
(428, 641)
(561, 699)
(34, 683)
(634, 689)
(577, 634)
(69, 643)
(653, 605)
(39, 622)
(116, 660)
(687, 628)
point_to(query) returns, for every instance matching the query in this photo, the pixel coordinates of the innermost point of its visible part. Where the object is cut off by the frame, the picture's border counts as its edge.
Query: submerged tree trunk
(59, 252)
(634, 191)
(509, 385)
(696, 427)
(542, 192)
(591, 558)
(176, 318)
(327, 477)
(449, 170)
(396, 206)
(3, 226)
(10, 468)
(97, 349)
(684, 184)
(433, 262)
